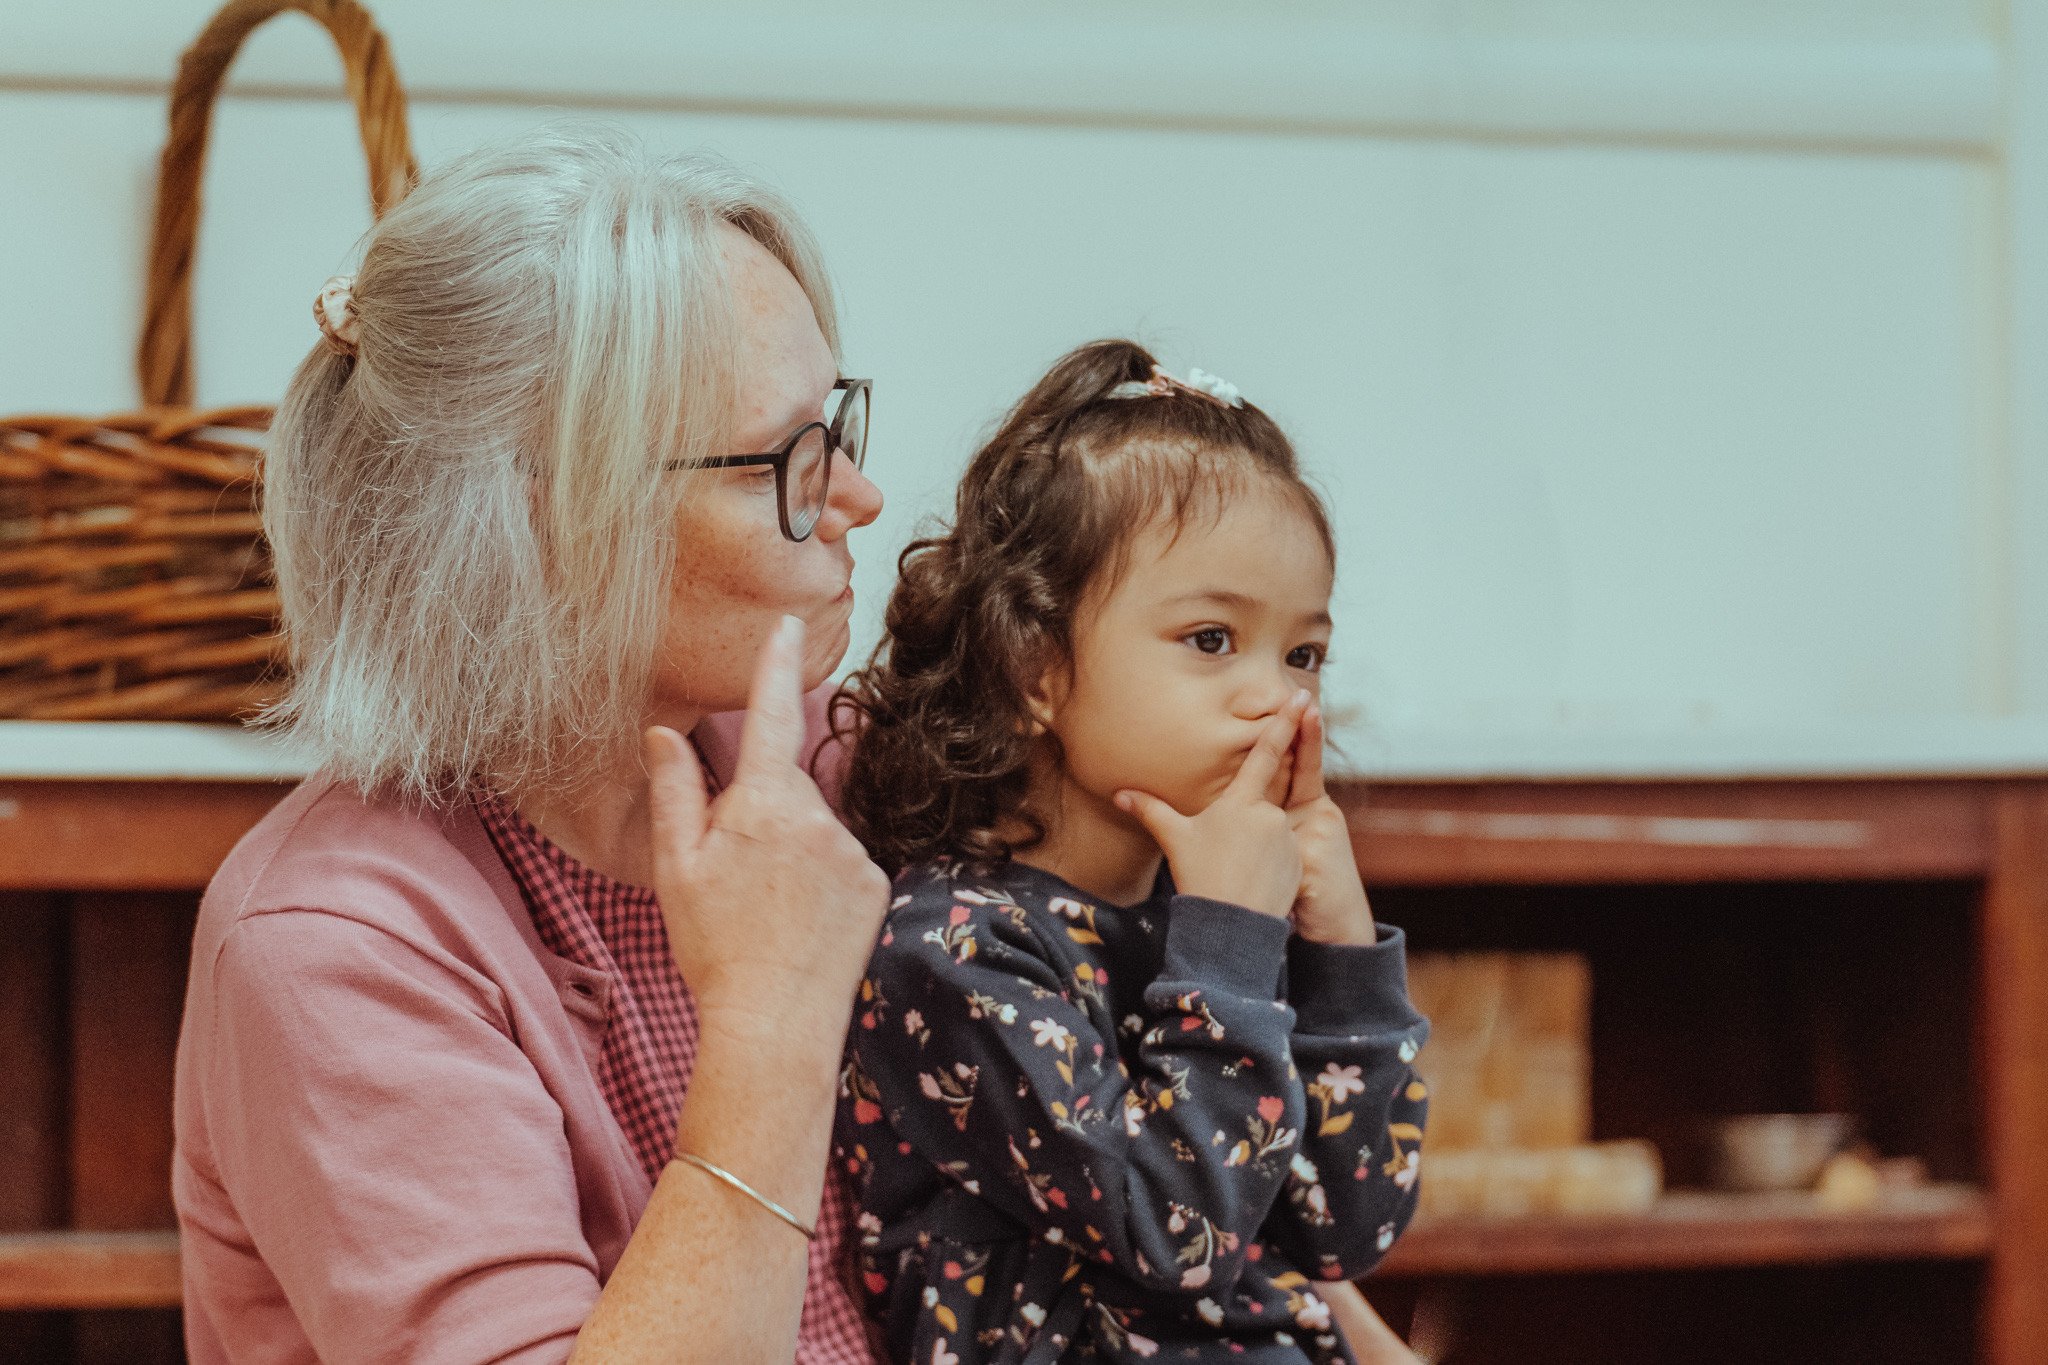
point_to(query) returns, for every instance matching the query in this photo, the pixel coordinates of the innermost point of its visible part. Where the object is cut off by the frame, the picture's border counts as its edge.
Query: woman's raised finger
(773, 733)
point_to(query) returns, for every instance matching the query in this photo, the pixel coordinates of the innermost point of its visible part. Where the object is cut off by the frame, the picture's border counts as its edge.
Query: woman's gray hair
(473, 532)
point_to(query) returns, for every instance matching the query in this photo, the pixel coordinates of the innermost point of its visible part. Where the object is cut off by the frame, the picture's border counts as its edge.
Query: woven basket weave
(134, 581)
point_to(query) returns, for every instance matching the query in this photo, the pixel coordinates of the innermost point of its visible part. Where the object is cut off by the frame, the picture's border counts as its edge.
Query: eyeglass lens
(810, 463)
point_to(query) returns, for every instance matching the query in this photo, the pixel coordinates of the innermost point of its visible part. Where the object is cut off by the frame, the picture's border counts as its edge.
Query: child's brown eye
(1308, 658)
(1213, 640)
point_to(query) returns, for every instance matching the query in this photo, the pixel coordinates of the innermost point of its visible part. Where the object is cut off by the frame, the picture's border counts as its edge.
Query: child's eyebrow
(1224, 597)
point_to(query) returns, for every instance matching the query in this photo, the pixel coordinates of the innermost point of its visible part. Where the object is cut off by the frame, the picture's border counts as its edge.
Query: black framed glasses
(803, 466)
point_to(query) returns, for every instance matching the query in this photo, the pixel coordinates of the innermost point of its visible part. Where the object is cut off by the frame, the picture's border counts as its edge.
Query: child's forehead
(1259, 547)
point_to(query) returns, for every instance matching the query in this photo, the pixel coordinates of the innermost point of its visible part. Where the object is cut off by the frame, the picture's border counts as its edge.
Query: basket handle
(164, 360)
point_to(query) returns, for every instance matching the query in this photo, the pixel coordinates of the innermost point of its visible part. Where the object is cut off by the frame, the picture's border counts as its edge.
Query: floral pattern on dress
(1076, 1137)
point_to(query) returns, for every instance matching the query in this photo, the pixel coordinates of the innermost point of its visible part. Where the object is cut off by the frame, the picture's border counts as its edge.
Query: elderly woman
(568, 479)
(574, 452)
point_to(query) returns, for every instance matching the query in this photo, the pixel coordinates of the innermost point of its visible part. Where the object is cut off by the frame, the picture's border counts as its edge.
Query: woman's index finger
(772, 735)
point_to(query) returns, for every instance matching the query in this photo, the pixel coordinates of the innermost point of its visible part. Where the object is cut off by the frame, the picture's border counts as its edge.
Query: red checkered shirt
(650, 1046)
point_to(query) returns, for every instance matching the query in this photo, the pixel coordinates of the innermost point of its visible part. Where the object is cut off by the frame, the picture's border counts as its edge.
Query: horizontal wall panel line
(1926, 93)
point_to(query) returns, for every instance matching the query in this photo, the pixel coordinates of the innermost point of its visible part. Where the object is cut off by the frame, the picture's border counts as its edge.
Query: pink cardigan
(391, 1144)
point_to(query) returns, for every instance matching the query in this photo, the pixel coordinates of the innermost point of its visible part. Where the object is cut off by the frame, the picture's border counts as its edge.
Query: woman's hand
(1240, 848)
(1331, 906)
(772, 907)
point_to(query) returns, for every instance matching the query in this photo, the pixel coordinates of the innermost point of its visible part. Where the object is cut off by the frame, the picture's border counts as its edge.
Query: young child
(1130, 1069)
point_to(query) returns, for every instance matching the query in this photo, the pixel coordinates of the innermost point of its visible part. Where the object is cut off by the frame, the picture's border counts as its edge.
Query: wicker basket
(134, 581)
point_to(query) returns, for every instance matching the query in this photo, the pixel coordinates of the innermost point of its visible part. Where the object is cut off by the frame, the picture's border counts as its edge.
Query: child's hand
(1242, 848)
(1331, 906)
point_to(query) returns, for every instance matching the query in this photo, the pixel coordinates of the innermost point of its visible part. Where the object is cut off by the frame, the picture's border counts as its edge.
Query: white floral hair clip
(1199, 382)
(335, 310)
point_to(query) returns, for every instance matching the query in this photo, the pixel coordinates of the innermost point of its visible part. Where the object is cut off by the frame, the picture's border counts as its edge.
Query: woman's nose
(853, 500)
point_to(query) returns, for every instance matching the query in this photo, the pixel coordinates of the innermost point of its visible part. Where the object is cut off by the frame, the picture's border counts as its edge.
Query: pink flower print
(1271, 1108)
(1194, 1277)
(958, 915)
(912, 1021)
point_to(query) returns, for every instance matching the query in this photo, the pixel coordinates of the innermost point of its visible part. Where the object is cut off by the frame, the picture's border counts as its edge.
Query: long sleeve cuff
(1226, 946)
(1351, 989)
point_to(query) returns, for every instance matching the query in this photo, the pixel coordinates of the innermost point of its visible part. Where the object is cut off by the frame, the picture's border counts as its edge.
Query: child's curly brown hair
(943, 740)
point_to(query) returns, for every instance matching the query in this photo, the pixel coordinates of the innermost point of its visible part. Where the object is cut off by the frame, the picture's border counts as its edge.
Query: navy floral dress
(1079, 1131)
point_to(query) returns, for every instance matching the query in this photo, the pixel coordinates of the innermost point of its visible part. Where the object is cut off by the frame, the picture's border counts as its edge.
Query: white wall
(1664, 362)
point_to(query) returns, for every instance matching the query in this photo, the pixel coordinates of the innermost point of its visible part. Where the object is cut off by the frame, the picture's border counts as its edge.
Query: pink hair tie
(335, 311)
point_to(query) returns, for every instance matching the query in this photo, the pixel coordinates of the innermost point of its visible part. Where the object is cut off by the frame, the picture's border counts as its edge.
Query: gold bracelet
(810, 1233)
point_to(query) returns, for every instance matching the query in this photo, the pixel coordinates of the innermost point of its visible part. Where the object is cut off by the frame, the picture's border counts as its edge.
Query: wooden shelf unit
(1885, 944)
(99, 882)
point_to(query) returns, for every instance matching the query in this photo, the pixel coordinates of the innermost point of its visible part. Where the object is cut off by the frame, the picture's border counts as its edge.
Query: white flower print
(1342, 1081)
(1032, 1314)
(912, 1021)
(931, 1296)
(1304, 1169)
(1008, 1013)
(1194, 1277)
(1066, 905)
(1314, 1314)
(1144, 1346)
(942, 1356)
(1386, 1237)
(1209, 1311)
(1407, 1049)
(1410, 1168)
(1049, 1033)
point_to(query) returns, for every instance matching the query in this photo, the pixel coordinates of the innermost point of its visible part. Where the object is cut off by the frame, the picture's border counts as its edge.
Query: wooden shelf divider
(56, 1270)
(1689, 1231)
